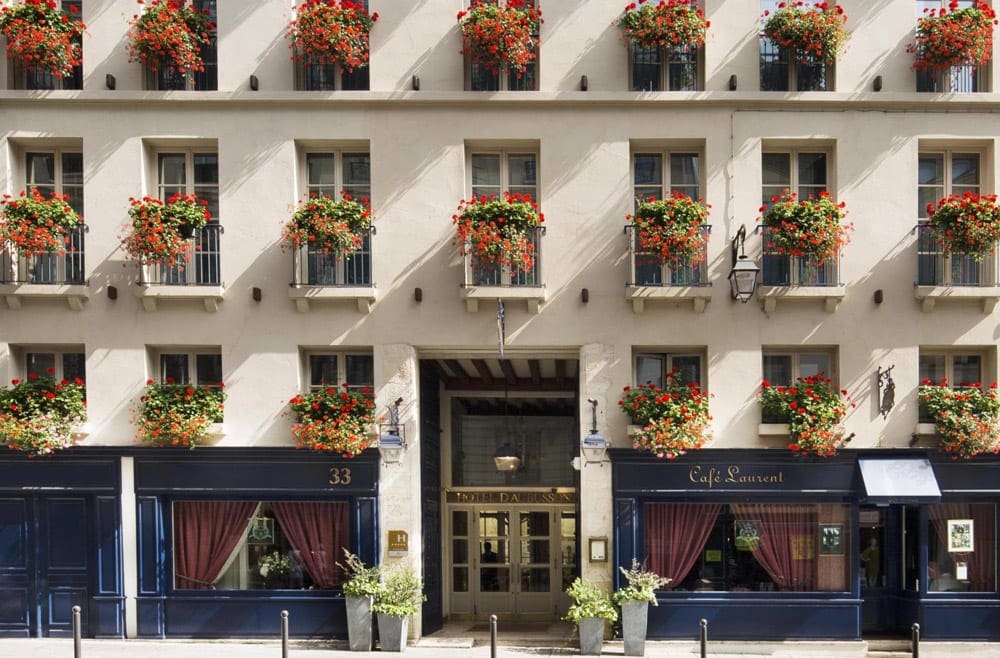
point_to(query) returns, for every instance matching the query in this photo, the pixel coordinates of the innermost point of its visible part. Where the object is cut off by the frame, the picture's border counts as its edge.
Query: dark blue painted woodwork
(755, 618)
(432, 613)
(957, 618)
(312, 616)
(18, 473)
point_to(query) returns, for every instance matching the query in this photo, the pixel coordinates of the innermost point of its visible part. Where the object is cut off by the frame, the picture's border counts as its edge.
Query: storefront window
(961, 547)
(230, 545)
(749, 547)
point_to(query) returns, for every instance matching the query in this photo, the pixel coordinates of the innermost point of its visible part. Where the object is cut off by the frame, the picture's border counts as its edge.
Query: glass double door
(512, 562)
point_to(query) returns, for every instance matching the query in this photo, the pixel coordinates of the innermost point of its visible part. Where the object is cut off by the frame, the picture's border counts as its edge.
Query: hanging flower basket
(160, 232)
(673, 420)
(954, 37)
(808, 33)
(334, 420)
(667, 24)
(671, 229)
(812, 228)
(498, 232)
(813, 409)
(331, 32)
(169, 34)
(334, 227)
(178, 414)
(36, 225)
(967, 419)
(966, 224)
(37, 416)
(42, 37)
(495, 36)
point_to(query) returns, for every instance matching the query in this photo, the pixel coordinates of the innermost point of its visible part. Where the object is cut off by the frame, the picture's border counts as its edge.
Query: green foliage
(672, 420)
(642, 584)
(813, 408)
(966, 419)
(589, 602)
(671, 228)
(178, 414)
(815, 32)
(498, 230)
(362, 580)
(36, 225)
(966, 224)
(954, 37)
(667, 24)
(810, 227)
(335, 227)
(37, 415)
(400, 595)
(335, 420)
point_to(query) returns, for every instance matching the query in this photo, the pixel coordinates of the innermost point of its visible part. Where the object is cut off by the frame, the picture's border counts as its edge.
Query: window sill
(926, 429)
(303, 295)
(928, 296)
(533, 295)
(15, 293)
(79, 432)
(210, 296)
(831, 296)
(774, 429)
(639, 295)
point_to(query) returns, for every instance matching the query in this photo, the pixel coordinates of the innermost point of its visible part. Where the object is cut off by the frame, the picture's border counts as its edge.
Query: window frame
(207, 80)
(795, 369)
(21, 355)
(665, 60)
(307, 75)
(341, 355)
(191, 354)
(668, 356)
(794, 71)
(504, 75)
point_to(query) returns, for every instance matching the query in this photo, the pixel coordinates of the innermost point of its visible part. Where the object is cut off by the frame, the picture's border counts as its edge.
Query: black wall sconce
(112, 293)
(256, 294)
(415, 83)
(743, 276)
(585, 295)
(254, 83)
(878, 296)
(886, 391)
(877, 83)
(584, 83)
(418, 295)
(732, 82)
(109, 81)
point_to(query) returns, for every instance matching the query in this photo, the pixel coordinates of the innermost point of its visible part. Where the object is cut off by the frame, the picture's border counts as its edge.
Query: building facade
(591, 126)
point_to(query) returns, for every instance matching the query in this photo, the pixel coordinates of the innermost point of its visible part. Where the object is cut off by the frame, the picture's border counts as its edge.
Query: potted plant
(813, 409)
(667, 24)
(672, 421)
(812, 228)
(359, 593)
(498, 231)
(35, 225)
(331, 32)
(161, 232)
(591, 608)
(808, 33)
(334, 420)
(42, 37)
(671, 229)
(178, 414)
(954, 37)
(274, 568)
(634, 600)
(399, 596)
(495, 35)
(966, 224)
(169, 34)
(38, 415)
(334, 227)
(967, 419)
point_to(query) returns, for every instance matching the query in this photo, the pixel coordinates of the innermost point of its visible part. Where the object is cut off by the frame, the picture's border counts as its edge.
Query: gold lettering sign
(512, 497)
(340, 476)
(399, 543)
(712, 476)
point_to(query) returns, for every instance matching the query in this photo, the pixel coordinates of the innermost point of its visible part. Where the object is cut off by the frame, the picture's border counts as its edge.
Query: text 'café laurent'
(732, 475)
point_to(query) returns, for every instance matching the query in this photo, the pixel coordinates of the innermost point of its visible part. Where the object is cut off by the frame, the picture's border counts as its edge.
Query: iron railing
(934, 268)
(53, 269)
(781, 270)
(479, 274)
(203, 269)
(645, 268)
(312, 267)
(967, 78)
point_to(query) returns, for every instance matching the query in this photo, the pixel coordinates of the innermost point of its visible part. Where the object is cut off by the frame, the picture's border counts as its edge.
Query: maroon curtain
(981, 561)
(675, 535)
(786, 549)
(318, 533)
(205, 535)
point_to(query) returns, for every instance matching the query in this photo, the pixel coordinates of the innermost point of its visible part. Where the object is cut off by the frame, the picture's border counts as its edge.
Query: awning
(899, 481)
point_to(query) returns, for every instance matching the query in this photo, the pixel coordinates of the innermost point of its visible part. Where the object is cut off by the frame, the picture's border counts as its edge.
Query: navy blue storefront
(777, 546)
(166, 479)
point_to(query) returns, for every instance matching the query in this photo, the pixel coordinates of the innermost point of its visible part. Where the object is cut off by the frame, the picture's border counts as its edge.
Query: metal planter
(591, 636)
(392, 632)
(634, 619)
(359, 623)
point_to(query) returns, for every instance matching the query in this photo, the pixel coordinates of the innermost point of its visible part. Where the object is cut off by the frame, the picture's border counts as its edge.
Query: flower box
(496, 36)
(774, 429)
(181, 415)
(334, 419)
(808, 33)
(327, 32)
(814, 408)
(169, 35)
(954, 37)
(665, 24)
(967, 419)
(668, 421)
(42, 37)
(40, 415)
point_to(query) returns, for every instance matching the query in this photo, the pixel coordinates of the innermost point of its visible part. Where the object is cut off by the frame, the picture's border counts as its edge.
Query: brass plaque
(399, 543)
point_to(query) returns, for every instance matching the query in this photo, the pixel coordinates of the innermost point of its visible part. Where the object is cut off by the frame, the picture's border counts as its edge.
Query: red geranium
(42, 37)
(810, 33)
(954, 37)
(334, 227)
(169, 34)
(161, 232)
(668, 24)
(966, 224)
(334, 420)
(671, 228)
(331, 31)
(495, 35)
(812, 228)
(36, 225)
(813, 409)
(498, 232)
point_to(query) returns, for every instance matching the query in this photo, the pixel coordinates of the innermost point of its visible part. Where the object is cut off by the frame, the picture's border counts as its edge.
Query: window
(780, 72)
(61, 172)
(59, 364)
(192, 172)
(259, 544)
(956, 369)
(657, 174)
(22, 78)
(198, 367)
(479, 78)
(331, 77)
(804, 172)
(783, 368)
(329, 173)
(664, 69)
(803, 547)
(654, 368)
(941, 174)
(965, 78)
(326, 369)
(207, 80)
(494, 173)
(961, 548)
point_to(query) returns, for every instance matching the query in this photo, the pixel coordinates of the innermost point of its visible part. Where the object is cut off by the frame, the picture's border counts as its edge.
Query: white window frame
(947, 80)
(342, 356)
(987, 364)
(191, 354)
(21, 353)
(504, 73)
(795, 355)
(668, 357)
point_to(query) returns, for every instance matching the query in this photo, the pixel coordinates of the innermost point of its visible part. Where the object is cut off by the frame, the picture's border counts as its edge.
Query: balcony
(326, 277)
(46, 276)
(503, 283)
(796, 279)
(677, 280)
(200, 278)
(953, 278)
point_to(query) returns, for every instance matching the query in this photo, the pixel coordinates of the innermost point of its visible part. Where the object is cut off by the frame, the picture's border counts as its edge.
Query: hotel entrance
(513, 561)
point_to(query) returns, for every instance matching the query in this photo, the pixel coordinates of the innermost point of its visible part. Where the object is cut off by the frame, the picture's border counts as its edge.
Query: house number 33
(341, 476)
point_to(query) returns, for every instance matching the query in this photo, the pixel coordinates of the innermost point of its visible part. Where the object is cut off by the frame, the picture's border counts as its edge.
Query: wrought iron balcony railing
(479, 274)
(66, 268)
(312, 267)
(203, 269)
(645, 268)
(780, 270)
(934, 268)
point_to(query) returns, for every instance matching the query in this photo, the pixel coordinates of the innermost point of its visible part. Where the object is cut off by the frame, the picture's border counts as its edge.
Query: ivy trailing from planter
(495, 35)
(169, 34)
(671, 229)
(181, 415)
(333, 420)
(37, 415)
(813, 227)
(672, 421)
(813, 408)
(815, 33)
(668, 24)
(35, 225)
(966, 224)
(498, 231)
(967, 419)
(160, 232)
(333, 227)
(331, 32)
(954, 37)
(42, 37)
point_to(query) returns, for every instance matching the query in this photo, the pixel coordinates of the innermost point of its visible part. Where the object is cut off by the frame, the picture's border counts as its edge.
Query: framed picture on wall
(960, 536)
(831, 538)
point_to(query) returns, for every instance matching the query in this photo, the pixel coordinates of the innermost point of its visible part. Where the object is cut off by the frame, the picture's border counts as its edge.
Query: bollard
(493, 636)
(284, 634)
(915, 642)
(77, 637)
(704, 638)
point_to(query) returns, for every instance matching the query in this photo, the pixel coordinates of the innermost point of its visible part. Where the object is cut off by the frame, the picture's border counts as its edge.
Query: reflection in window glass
(961, 547)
